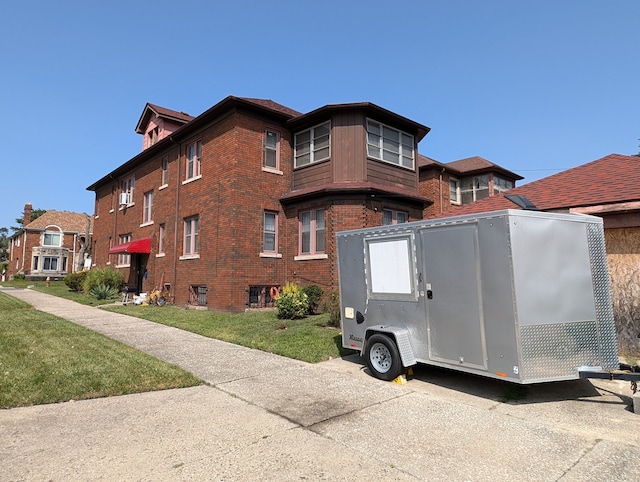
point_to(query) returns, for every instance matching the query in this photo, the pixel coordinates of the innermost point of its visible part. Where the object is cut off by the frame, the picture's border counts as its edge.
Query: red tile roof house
(247, 196)
(608, 188)
(51, 246)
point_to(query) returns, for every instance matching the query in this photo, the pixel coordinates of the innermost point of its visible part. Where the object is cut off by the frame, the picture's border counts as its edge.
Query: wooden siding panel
(312, 175)
(348, 147)
(389, 175)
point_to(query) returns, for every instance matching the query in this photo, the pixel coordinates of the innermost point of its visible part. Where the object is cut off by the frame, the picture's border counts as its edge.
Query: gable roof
(67, 221)
(613, 179)
(162, 112)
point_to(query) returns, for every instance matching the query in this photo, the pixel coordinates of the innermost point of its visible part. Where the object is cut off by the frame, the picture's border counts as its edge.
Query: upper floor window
(191, 234)
(52, 238)
(270, 232)
(194, 156)
(454, 190)
(165, 171)
(126, 190)
(389, 145)
(312, 232)
(152, 136)
(147, 211)
(124, 259)
(474, 188)
(271, 150)
(313, 145)
(161, 235)
(390, 216)
(500, 184)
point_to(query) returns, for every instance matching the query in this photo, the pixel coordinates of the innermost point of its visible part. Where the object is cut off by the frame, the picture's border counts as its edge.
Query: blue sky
(536, 87)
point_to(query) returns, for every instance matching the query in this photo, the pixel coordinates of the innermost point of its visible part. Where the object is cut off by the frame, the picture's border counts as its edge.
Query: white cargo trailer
(518, 295)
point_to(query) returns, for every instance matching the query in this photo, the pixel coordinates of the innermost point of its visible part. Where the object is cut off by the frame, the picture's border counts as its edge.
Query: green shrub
(75, 280)
(292, 303)
(314, 295)
(19, 276)
(331, 305)
(104, 292)
(103, 276)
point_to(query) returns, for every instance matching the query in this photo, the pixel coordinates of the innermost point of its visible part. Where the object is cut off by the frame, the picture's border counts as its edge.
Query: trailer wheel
(383, 358)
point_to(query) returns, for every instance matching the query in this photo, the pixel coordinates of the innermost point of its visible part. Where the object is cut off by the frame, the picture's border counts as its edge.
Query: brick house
(223, 207)
(51, 246)
(453, 184)
(608, 188)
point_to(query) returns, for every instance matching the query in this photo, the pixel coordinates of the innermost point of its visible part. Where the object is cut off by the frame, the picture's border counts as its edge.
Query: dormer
(157, 122)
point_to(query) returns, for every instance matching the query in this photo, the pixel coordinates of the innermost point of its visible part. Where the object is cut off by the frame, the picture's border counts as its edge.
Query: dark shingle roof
(612, 179)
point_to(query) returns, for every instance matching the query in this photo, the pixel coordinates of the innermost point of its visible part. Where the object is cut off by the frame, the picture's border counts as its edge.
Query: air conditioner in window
(125, 198)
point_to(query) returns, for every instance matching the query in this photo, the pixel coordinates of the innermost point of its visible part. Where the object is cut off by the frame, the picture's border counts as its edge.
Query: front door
(454, 307)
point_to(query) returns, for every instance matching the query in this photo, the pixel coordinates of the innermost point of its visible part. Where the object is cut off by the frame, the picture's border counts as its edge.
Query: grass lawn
(45, 359)
(310, 339)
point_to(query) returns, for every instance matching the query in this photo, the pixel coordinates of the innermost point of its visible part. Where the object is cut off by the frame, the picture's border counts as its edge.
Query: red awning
(136, 246)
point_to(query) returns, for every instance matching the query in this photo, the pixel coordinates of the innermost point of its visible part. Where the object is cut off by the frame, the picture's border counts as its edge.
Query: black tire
(383, 358)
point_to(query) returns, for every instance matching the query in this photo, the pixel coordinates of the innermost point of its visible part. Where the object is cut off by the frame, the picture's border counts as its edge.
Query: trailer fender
(401, 339)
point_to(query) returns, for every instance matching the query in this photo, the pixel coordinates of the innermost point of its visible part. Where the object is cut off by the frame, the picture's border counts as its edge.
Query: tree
(4, 247)
(35, 214)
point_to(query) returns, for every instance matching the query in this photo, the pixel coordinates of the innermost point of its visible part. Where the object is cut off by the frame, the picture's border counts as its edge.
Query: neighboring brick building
(249, 195)
(454, 184)
(51, 246)
(608, 188)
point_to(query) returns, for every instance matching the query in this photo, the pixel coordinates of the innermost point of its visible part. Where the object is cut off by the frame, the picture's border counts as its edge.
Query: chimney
(27, 214)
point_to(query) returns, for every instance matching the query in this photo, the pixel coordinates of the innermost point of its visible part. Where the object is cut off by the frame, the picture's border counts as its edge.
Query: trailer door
(451, 266)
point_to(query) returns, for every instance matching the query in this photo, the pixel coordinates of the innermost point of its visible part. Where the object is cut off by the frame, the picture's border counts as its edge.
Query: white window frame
(147, 208)
(127, 186)
(383, 148)
(190, 239)
(271, 233)
(51, 232)
(193, 164)
(49, 260)
(454, 191)
(393, 214)
(314, 234)
(161, 240)
(316, 147)
(268, 148)
(124, 259)
(164, 180)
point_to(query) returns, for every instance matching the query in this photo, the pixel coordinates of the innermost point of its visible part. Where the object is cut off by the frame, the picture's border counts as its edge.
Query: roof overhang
(142, 246)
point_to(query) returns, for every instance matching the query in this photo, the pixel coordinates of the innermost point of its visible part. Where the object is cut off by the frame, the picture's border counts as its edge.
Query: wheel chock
(400, 380)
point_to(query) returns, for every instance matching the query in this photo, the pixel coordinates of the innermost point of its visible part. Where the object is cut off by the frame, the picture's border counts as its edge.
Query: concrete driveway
(261, 416)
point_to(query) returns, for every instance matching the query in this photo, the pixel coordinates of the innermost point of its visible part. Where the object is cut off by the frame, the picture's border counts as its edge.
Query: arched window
(52, 236)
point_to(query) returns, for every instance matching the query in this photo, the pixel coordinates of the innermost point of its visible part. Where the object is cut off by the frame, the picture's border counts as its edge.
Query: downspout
(24, 248)
(440, 190)
(175, 224)
(73, 265)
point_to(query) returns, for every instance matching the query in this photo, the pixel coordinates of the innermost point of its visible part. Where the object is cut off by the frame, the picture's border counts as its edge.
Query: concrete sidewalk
(266, 417)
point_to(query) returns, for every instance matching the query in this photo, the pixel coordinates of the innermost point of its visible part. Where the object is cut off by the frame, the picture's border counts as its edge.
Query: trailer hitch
(625, 373)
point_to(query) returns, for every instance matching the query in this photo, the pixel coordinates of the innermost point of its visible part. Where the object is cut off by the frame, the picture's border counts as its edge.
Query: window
(153, 136)
(194, 154)
(127, 187)
(147, 211)
(124, 259)
(312, 232)
(165, 171)
(161, 235)
(312, 145)
(35, 263)
(191, 229)
(390, 216)
(50, 263)
(51, 239)
(389, 145)
(500, 185)
(271, 150)
(454, 190)
(269, 232)
(474, 188)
